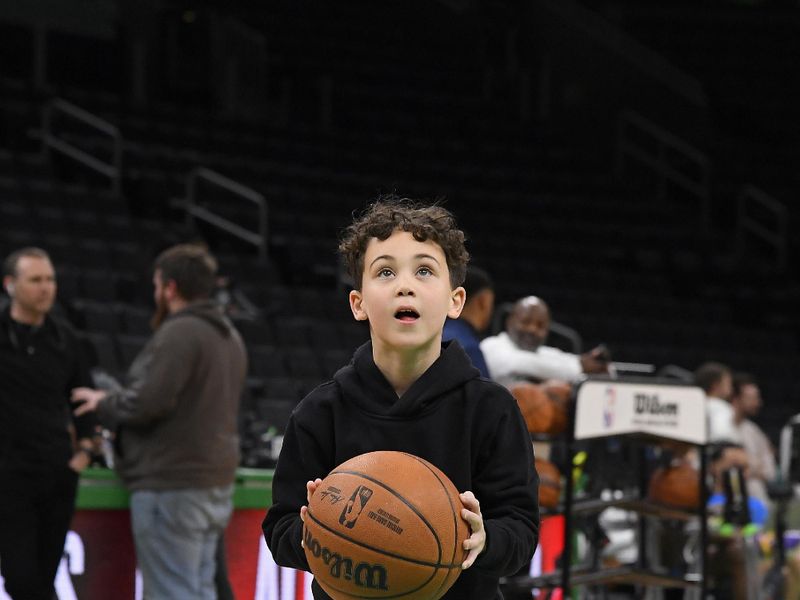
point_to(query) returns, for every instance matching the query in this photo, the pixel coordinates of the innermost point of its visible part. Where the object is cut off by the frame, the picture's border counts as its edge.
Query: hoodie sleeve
(156, 377)
(303, 458)
(507, 487)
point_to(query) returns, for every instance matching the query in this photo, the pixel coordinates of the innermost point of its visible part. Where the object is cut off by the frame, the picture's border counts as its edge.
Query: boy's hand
(311, 487)
(477, 541)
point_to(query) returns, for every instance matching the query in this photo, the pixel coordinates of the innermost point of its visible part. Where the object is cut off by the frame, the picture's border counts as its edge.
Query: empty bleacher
(543, 214)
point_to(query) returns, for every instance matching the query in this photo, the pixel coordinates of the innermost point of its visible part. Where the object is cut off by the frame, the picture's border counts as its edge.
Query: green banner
(101, 489)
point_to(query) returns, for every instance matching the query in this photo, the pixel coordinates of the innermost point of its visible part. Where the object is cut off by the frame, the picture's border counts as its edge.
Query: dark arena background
(633, 162)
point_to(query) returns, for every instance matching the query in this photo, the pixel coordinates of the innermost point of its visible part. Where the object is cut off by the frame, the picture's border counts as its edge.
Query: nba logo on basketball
(355, 505)
(608, 409)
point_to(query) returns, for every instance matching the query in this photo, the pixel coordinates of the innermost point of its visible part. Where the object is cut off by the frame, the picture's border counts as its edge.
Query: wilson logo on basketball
(363, 574)
(354, 506)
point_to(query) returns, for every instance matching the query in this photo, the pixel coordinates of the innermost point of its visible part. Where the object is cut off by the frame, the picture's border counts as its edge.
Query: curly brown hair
(424, 221)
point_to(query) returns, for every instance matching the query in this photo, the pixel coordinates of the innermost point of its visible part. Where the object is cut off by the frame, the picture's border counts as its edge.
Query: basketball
(677, 485)
(549, 483)
(385, 525)
(543, 406)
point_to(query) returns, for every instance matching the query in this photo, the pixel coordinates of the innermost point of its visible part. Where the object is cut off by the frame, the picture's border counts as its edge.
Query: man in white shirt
(746, 402)
(519, 353)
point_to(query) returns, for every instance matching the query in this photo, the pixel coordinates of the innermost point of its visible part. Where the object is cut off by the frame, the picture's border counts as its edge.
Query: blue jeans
(176, 534)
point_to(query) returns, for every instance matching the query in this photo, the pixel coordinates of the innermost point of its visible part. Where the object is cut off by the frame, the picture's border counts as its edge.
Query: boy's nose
(403, 289)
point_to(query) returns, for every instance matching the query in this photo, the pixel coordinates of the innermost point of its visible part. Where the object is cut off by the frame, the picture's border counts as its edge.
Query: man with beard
(519, 353)
(746, 403)
(42, 449)
(177, 446)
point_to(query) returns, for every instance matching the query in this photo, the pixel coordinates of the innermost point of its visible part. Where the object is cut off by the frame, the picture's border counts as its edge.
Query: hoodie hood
(208, 310)
(362, 382)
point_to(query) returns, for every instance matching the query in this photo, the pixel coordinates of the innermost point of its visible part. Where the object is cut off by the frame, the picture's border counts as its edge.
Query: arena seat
(267, 361)
(135, 320)
(129, 346)
(304, 363)
(541, 213)
(280, 387)
(102, 353)
(98, 317)
(255, 332)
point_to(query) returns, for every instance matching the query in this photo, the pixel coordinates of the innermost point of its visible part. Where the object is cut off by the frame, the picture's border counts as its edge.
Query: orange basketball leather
(549, 483)
(677, 485)
(385, 525)
(543, 406)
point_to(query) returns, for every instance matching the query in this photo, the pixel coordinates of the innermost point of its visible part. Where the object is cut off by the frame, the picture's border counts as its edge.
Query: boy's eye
(424, 271)
(385, 273)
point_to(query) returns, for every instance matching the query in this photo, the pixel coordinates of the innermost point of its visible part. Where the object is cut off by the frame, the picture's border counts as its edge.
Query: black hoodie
(467, 426)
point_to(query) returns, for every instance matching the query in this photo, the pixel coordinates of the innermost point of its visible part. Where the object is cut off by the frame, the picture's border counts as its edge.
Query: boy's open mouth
(406, 315)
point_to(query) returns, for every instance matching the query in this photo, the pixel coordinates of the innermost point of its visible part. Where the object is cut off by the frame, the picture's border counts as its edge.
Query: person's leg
(175, 534)
(207, 589)
(168, 554)
(221, 581)
(219, 505)
(19, 554)
(55, 509)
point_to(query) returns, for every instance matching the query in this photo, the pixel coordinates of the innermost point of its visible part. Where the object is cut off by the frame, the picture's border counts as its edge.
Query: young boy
(406, 391)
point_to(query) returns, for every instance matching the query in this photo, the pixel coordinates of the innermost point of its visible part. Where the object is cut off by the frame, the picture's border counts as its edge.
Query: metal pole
(116, 181)
(47, 122)
(545, 85)
(139, 72)
(39, 56)
(566, 555)
(191, 198)
(703, 523)
(262, 229)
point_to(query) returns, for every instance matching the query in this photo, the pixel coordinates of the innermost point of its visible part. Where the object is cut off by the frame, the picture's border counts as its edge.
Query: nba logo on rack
(608, 408)
(355, 505)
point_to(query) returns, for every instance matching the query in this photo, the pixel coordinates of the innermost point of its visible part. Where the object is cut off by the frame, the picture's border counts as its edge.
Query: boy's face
(405, 293)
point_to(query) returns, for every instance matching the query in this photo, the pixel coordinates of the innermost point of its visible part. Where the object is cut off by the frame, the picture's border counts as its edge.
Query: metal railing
(51, 141)
(643, 58)
(667, 157)
(774, 232)
(194, 210)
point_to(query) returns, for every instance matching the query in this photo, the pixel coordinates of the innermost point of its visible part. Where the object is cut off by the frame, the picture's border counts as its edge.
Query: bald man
(519, 353)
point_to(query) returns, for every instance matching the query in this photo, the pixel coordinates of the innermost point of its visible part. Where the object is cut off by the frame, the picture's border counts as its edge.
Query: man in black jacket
(406, 391)
(42, 449)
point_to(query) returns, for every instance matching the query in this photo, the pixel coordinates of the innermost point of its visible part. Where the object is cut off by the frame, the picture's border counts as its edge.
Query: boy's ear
(457, 298)
(356, 300)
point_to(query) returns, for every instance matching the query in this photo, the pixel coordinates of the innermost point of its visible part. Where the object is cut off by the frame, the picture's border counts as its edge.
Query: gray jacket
(176, 419)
